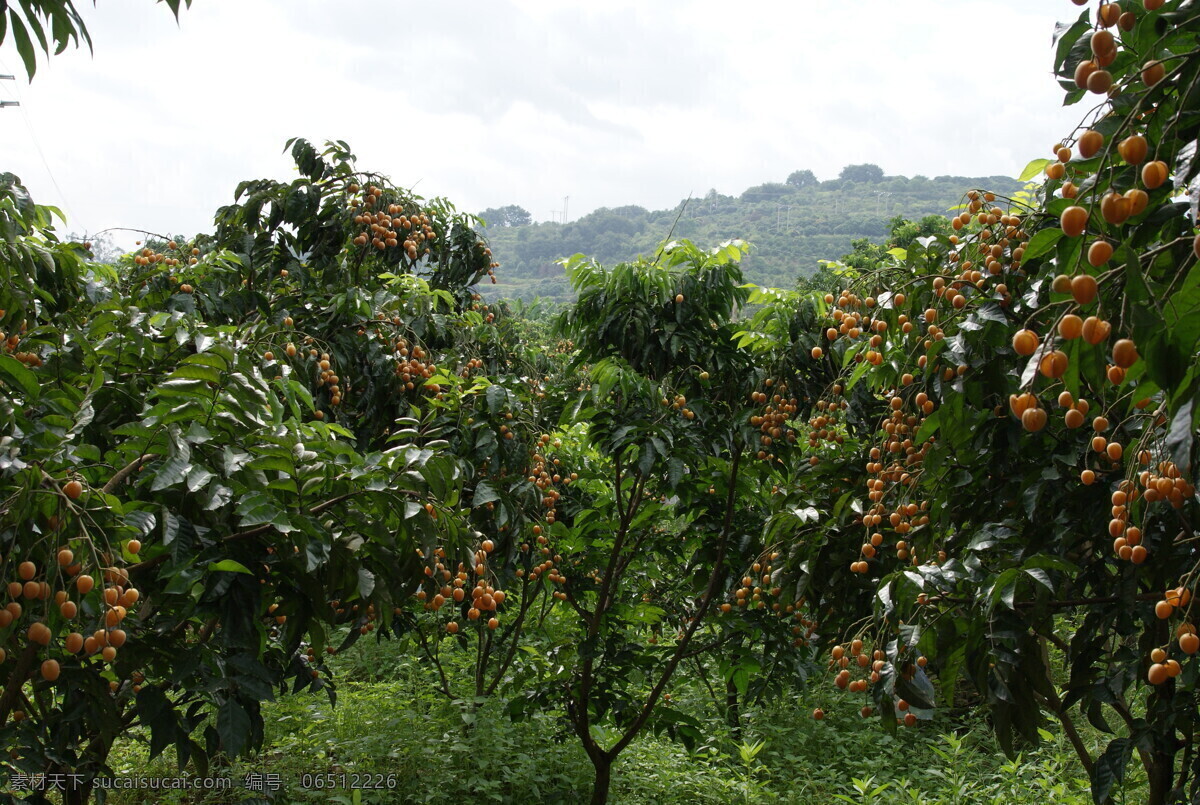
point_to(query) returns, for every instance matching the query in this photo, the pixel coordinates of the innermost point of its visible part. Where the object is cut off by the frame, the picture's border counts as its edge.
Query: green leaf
(1042, 242)
(496, 396)
(484, 494)
(857, 375)
(193, 371)
(1109, 768)
(228, 566)
(1041, 577)
(366, 582)
(31, 16)
(1048, 562)
(259, 508)
(928, 427)
(1181, 435)
(1034, 168)
(155, 711)
(23, 43)
(1005, 588)
(12, 371)
(271, 463)
(173, 470)
(233, 726)
(675, 470)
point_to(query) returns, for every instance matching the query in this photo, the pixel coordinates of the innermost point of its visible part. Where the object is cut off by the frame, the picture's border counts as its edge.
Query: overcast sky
(493, 102)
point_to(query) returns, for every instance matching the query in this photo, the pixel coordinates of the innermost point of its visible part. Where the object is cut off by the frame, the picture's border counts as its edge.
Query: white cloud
(527, 101)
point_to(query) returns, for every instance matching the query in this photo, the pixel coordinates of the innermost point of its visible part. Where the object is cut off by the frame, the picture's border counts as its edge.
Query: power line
(8, 103)
(33, 137)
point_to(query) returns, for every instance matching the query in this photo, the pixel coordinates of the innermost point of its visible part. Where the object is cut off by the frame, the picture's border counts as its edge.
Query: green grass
(389, 722)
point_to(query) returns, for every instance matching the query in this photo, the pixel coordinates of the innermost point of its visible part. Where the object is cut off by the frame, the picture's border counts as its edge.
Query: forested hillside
(792, 225)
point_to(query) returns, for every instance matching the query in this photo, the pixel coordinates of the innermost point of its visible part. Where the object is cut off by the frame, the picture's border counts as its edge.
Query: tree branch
(514, 634)
(125, 472)
(436, 661)
(16, 680)
(714, 580)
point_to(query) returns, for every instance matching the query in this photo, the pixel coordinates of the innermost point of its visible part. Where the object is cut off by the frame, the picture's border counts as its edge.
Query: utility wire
(33, 137)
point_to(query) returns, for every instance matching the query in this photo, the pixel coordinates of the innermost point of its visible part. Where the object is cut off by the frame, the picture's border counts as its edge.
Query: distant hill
(791, 224)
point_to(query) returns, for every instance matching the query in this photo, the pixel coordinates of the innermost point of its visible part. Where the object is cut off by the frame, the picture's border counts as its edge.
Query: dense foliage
(961, 474)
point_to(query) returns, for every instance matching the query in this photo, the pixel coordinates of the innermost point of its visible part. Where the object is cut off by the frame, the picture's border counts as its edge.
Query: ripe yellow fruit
(1099, 82)
(1100, 253)
(1095, 330)
(1070, 327)
(1107, 15)
(1138, 200)
(1084, 288)
(1124, 353)
(1025, 342)
(1090, 143)
(1115, 208)
(39, 633)
(1152, 73)
(1073, 221)
(1053, 364)
(1154, 174)
(1083, 72)
(1133, 149)
(1034, 419)
(1103, 44)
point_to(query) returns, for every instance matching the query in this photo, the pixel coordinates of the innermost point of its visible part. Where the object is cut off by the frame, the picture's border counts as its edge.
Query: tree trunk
(603, 764)
(1162, 775)
(77, 795)
(1161, 771)
(733, 715)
